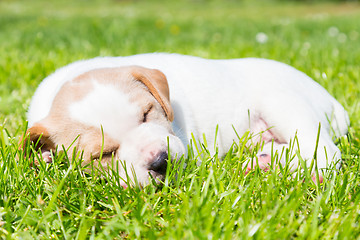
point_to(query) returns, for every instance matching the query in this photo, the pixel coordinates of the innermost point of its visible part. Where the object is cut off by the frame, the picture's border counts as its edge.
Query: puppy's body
(242, 94)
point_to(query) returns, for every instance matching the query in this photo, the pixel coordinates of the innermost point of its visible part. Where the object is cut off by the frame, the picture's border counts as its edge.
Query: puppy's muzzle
(159, 165)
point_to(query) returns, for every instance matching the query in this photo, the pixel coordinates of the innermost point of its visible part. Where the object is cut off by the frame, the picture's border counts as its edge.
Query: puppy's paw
(43, 156)
(314, 178)
(263, 161)
(46, 156)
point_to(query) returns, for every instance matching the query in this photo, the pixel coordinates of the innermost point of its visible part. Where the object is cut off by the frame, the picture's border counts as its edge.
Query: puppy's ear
(158, 86)
(40, 138)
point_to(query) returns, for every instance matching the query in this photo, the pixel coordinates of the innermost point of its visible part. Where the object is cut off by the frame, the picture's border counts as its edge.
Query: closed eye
(145, 116)
(103, 155)
(107, 153)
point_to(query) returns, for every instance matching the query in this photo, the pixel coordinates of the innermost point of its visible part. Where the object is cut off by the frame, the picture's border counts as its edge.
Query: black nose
(160, 163)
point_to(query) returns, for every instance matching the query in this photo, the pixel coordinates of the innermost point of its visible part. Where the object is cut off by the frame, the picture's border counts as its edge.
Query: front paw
(263, 160)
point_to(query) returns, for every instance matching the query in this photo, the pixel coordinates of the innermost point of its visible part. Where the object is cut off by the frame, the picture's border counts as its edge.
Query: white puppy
(128, 99)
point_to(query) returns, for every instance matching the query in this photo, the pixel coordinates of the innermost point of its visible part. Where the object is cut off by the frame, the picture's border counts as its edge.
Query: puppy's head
(114, 115)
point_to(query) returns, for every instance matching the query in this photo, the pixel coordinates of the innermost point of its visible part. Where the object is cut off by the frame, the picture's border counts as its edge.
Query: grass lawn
(214, 200)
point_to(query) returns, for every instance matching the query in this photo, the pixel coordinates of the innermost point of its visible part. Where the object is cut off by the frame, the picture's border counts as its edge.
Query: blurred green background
(36, 37)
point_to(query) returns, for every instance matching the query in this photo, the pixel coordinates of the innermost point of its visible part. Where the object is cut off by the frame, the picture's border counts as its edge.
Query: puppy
(131, 108)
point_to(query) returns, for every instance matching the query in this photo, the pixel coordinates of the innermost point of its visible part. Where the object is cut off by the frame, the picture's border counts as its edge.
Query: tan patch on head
(70, 92)
(154, 81)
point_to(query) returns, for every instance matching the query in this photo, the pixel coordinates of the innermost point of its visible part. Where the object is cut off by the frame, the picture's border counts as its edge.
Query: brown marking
(40, 137)
(58, 129)
(154, 80)
(156, 83)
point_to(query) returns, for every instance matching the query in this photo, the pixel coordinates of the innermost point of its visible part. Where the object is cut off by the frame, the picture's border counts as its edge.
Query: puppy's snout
(160, 163)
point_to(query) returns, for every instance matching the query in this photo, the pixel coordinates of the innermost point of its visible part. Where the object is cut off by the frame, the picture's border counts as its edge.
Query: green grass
(211, 201)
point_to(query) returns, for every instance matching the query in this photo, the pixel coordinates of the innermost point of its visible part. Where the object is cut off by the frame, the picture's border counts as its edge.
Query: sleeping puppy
(131, 108)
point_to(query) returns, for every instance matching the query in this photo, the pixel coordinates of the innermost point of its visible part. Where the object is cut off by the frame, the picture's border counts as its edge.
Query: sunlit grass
(214, 198)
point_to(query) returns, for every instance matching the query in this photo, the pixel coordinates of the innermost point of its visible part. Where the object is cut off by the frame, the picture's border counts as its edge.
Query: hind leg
(267, 156)
(276, 142)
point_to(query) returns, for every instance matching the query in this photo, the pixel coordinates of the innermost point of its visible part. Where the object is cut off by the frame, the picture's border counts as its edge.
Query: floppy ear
(158, 86)
(39, 136)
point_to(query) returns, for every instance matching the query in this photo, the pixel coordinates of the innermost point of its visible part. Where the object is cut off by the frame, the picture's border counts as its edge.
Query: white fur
(209, 93)
(143, 143)
(98, 109)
